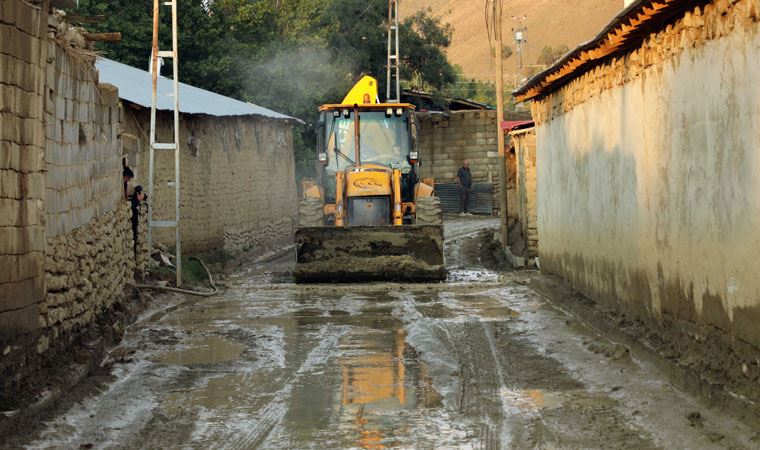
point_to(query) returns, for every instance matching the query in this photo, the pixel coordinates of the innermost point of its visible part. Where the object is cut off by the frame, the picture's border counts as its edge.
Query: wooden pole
(103, 37)
(503, 206)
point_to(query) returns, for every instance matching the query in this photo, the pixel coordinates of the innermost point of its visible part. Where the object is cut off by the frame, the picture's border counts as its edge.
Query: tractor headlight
(323, 157)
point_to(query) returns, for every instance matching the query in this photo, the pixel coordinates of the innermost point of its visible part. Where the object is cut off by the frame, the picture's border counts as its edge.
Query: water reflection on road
(477, 362)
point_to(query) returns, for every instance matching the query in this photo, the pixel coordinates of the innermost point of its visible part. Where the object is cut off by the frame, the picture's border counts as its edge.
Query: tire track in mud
(271, 415)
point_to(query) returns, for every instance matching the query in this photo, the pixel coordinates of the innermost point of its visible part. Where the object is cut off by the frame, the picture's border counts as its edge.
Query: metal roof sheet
(135, 86)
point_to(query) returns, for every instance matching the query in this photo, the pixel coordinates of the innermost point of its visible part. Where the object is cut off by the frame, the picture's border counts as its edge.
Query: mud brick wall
(23, 31)
(83, 148)
(445, 142)
(66, 250)
(649, 176)
(238, 190)
(87, 272)
(524, 143)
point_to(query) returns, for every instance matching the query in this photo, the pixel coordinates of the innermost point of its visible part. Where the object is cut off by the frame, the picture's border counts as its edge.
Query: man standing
(464, 178)
(135, 200)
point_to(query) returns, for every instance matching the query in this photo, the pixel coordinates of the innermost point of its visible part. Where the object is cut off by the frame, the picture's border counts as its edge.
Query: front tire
(311, 213)
(429, 211)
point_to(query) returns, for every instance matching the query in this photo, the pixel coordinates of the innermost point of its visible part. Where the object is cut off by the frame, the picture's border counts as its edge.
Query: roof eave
(627, 30)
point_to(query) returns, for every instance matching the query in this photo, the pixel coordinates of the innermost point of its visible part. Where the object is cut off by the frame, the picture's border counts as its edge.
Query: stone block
(18, 322)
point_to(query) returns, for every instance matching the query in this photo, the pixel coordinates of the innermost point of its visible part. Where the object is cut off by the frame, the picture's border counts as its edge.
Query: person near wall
(135, 200)
(464, 179)
(127, 176)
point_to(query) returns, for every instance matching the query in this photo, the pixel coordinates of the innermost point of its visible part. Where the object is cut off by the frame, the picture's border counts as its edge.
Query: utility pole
(503, 206)
(520, 31)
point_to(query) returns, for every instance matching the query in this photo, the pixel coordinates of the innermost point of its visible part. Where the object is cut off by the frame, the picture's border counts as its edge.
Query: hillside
(550, 22)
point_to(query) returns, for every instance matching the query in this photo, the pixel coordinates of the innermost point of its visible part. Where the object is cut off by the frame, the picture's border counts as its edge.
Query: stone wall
(445, 142)
(23, 30)
(237, 181)
(649, 175)
(524, 143)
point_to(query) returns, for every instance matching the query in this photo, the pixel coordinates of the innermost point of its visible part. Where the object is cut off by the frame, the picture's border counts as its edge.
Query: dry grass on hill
(550, 22)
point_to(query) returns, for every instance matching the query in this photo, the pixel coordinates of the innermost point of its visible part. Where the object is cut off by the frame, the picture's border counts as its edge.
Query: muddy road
(480, 361)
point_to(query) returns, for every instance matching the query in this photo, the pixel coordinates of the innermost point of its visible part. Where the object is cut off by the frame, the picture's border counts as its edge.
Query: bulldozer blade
(354, 254)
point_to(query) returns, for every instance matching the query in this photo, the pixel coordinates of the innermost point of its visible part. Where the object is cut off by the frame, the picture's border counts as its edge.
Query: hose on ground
(185, 291)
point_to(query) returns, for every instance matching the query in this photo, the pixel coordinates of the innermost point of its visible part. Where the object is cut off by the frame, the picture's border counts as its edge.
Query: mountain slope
(549, 22)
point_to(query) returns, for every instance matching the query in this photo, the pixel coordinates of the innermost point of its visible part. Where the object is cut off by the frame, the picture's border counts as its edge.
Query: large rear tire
(311, 213)
(429, 211)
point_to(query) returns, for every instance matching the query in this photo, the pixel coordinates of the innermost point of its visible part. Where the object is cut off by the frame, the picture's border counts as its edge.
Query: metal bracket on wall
(165, 146)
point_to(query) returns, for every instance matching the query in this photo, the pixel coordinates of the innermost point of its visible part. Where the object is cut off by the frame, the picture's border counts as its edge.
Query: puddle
(473, 276)
(530, 400)
(487, 307)
(210, 350)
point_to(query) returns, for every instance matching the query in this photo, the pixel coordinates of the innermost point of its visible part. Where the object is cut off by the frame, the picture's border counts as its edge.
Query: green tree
(549, 55)
(287, 55)
(506, 51)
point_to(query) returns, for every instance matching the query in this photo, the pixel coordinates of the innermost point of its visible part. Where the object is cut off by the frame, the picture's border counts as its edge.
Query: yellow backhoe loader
(368, 217)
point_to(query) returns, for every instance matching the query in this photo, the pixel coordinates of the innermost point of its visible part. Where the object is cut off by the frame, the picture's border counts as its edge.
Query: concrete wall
(238, 185)
(445, 142)
(23, 30)
(524, 143)
(649, 175)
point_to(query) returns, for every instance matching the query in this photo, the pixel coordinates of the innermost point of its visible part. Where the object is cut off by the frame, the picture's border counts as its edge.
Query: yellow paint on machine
(363, 93)
(368, 184)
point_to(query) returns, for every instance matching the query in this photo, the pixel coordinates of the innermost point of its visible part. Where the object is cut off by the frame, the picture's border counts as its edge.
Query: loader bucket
(355, 254)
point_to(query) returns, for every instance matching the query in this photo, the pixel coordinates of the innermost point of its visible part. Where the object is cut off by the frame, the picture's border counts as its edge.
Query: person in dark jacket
(464, 179)
(135, 199)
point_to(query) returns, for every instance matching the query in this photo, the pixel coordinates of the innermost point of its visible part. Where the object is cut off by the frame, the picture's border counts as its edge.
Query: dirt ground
(483, 360)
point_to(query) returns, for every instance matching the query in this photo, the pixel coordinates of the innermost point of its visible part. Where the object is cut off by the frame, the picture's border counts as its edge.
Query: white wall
(649, 192)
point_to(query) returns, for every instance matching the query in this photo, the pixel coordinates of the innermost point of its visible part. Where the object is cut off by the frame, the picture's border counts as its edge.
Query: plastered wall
(649, 175)
(238, 185)
(524, 143)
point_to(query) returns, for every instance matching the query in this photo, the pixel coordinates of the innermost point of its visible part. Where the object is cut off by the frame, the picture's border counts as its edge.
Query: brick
(9, 155)
(19, 322)
(17, 241)
(10, 184)
(33, 185)
(31, 159)
(20, 294)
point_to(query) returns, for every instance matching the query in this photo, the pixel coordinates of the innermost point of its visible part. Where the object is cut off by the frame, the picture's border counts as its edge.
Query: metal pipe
(357, 138)
(185, 291)
(175, 61)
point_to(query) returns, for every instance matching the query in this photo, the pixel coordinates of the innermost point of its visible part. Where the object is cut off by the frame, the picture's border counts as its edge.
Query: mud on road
(480, 361)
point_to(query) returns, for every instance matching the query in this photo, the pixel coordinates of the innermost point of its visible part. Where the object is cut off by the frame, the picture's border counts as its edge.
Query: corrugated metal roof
(135, 86)
(511, 125)
(623, 34)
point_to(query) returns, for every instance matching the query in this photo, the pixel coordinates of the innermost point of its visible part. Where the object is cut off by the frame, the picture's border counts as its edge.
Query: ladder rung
(171, 183)
(168, 3)
(163, 223)
(165, 54)
(158, 146)
(393, 56)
